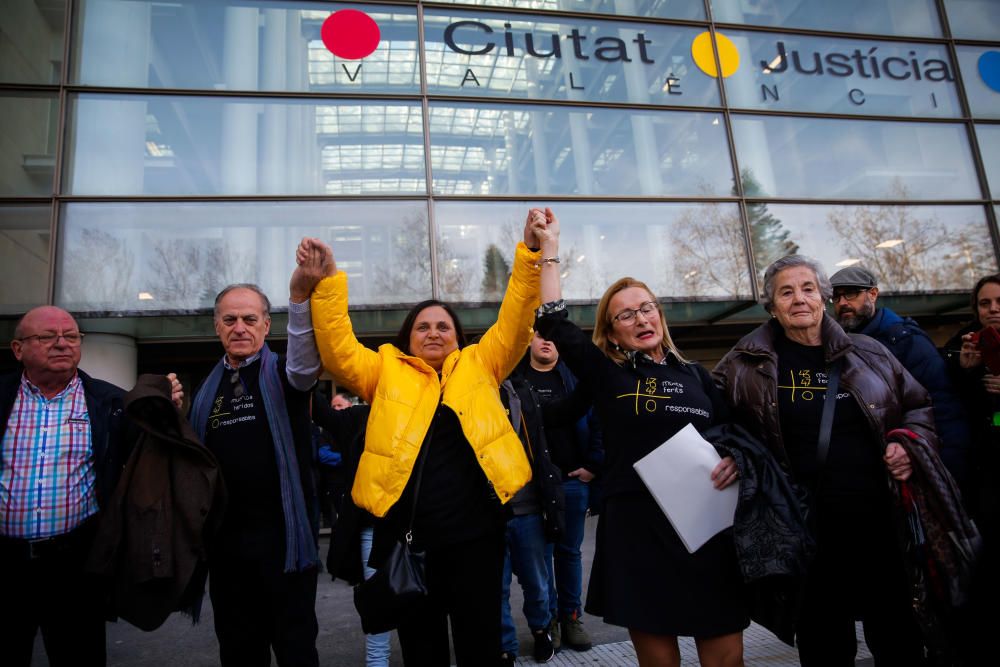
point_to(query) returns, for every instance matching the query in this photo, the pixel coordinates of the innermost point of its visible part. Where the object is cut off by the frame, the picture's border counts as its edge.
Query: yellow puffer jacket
(404, 391)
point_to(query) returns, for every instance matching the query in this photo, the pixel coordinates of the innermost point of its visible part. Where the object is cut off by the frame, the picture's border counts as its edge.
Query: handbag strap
(421, 457)
(826, 421)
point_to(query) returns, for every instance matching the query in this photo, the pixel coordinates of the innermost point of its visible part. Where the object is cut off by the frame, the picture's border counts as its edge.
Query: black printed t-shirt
(238, 434)
(639, 405)
(853, 466)
(562, 441)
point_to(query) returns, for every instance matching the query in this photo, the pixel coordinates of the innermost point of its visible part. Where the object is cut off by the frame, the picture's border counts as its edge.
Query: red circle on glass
(350, 34)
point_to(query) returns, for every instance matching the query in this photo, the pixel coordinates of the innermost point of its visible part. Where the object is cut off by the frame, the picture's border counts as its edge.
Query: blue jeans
(377, 646)
(525, 556)
(566, 582)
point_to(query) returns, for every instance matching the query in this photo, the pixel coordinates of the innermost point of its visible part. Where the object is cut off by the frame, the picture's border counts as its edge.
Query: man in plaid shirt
(65, 439)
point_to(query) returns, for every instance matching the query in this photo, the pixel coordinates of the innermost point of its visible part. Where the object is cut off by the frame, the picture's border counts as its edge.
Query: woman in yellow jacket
(433, 395)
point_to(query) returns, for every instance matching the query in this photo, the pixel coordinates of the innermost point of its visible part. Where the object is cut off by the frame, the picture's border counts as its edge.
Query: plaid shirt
(47, 477)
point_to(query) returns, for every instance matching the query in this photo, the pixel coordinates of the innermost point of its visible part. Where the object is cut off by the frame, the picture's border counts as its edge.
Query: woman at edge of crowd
(643, 577)
(771, 379)
(432, 394)
(980, 393)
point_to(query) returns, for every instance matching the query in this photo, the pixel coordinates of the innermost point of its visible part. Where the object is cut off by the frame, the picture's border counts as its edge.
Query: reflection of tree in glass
(98, 273)
(188, 273)
(406, 277)
(932, 255)
(496, 271)
(709, 253)
(768, 237)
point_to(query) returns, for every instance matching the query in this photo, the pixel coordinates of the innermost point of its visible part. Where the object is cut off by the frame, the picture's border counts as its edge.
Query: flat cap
(854, 276)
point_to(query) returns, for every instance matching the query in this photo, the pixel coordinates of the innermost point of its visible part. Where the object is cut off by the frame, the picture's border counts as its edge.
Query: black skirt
(644, 578)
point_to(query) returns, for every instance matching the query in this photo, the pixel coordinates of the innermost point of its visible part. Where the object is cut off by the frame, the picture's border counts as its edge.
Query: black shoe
(507, 660)
(543, 645)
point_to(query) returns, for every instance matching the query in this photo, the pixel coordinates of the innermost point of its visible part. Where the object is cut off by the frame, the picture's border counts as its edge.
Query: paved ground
(341, 642)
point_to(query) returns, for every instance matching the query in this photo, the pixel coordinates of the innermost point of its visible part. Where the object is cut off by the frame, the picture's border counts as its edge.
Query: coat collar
(761, 341)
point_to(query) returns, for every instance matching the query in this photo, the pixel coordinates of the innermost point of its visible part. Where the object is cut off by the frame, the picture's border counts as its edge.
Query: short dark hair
(985, 280)
(403, 337)
(264, 301)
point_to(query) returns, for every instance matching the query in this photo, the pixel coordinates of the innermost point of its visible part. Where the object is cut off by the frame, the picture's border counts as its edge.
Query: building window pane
(131, 144)
(910, 248)
(973, 19)
(981, 76)
(24, 257)
(989, 148)
(167, 257)
(232, 45)
(672, 9)
(680, 250)
(491, 149)
(31, 41)
(28, 125)
(499, 55)
(916, 18)
(852, 76)
(847, 159)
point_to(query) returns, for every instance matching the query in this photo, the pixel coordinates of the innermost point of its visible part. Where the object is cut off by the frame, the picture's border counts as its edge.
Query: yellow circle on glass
(701, 51)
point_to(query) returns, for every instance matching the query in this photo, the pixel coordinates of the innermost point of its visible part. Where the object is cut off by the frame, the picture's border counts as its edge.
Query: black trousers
(464, 582)
(48, 590)
(256, 612)
(858, 574)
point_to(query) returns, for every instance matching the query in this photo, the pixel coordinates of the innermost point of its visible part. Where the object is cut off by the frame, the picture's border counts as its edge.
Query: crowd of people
(848, 433)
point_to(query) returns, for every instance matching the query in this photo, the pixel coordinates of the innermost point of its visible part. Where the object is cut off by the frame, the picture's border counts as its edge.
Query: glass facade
(151, 152)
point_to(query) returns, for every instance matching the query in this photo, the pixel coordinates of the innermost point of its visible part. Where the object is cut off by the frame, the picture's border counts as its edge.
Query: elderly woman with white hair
(777, 381)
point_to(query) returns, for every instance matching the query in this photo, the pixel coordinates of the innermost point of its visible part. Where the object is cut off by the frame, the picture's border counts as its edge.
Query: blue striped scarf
(300, 547)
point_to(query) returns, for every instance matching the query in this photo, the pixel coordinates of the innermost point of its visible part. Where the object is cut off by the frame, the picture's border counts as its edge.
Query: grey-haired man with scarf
(253, 413)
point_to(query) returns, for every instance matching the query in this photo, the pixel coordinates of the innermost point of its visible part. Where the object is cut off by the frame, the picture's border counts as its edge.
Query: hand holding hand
(535, 219)
(970, 356)
(898, 462)
(725, 473)
(581, 474)
(176, 391)
(548, 234)
(314, 261)
(991, 383)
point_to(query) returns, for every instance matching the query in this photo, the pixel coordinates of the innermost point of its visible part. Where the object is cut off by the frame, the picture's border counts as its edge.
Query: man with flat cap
(855, 293)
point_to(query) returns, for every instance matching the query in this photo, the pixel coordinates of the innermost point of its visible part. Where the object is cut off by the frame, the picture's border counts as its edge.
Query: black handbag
(398, 584)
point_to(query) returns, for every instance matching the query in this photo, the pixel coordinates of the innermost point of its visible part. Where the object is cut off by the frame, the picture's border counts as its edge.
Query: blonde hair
(603, 323)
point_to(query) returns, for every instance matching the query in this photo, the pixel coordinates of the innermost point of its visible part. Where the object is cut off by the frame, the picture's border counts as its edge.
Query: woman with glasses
(644, 391)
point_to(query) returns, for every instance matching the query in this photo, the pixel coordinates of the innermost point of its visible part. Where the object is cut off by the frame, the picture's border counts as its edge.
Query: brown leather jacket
(886, 392)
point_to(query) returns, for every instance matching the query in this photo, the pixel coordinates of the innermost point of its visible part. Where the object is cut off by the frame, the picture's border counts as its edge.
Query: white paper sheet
(678, 474)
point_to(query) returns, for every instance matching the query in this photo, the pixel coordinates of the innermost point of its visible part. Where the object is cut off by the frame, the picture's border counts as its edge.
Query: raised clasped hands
(314, 261)
(541, 230)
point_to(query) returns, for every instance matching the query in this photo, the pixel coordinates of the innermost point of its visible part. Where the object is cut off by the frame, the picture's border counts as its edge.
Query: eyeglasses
(627, 316)
(849, 294)
(72, 338)
(234, 380)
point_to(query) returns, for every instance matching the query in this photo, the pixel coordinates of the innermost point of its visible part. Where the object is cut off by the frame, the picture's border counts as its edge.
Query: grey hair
(250, 286)
(788, 262)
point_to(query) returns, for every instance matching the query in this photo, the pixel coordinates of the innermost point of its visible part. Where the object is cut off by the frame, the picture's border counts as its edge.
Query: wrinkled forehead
(47, 318)
(242, 303)
(433, 315)
(630, 297)
(795, 276)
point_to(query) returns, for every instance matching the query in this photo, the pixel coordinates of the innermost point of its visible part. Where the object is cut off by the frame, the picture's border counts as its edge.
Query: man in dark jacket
(855, 293)
(65, 439)
(577, 450)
